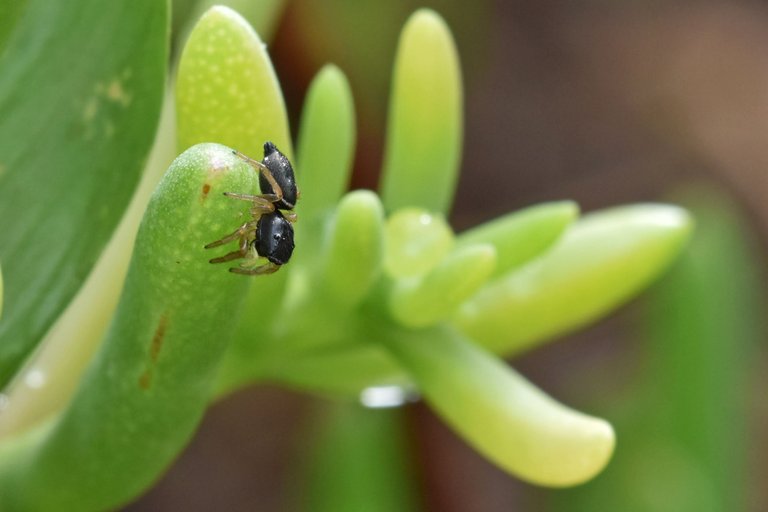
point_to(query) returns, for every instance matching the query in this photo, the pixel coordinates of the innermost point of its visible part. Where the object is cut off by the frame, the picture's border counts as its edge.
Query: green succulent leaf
(262, 15)
(149, 384)
(424, 131)
(523, 235)
(226, 90)
(416, 242)
(354, 254)
(500, 413)
(421, 302)
(326, 142)
(598, 264)
(74, 136)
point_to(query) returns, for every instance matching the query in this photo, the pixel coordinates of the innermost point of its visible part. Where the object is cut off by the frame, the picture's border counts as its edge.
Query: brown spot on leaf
(145, 380)
(206, 189)
(157, 339)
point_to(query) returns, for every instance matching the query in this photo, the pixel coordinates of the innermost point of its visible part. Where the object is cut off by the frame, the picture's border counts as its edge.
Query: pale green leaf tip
(568, 209)
(673, 223)
(326, 138)
(226, 88)
(360, 207)
(368, 198)
(426, 19)
(570, 450)
(223, 13)
(333, 75)
(660, 213)
(598, 444)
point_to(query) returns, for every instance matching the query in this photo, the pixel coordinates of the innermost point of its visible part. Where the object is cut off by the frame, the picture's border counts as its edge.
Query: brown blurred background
(600, 102)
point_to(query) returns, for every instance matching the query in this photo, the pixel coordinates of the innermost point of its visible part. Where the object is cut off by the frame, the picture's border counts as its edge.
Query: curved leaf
(74, 135)
(501, 414)
(148, 386)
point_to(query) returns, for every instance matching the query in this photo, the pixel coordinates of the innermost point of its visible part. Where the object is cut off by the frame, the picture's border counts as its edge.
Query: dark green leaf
(80, 91)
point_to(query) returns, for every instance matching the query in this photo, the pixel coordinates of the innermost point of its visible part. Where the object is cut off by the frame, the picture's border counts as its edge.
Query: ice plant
(380, 296)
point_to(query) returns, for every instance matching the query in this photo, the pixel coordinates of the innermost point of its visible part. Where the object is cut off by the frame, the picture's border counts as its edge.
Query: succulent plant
(380, 299)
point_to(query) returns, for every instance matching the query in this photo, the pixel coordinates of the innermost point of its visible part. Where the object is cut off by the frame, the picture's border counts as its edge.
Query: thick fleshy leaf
(326, 142)
(417, 241)
(424, 131)
(523, 235)
(420, 302)
(598, 264)
(501, 414)
(262, 15)
(74, 136)
(355, 250)
(149, 384)
(226, 90)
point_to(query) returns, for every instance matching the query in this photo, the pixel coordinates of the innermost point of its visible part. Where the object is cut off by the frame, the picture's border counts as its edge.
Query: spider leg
(240, 253)
(271, 198)
(250, 161)
(261, 204)
(240, 232)
(278, 191)
(267, 268)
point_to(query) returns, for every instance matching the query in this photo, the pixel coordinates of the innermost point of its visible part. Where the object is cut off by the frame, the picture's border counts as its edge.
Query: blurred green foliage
(683, 420)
